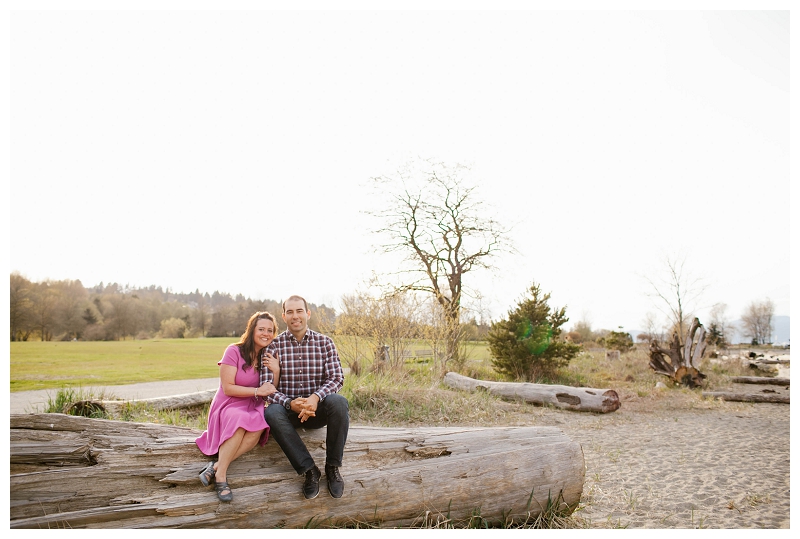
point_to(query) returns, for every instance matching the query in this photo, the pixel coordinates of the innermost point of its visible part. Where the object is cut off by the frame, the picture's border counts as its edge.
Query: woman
(236, 416)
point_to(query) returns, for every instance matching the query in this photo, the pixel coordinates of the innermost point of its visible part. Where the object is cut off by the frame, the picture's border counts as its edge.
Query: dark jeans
(334, 412)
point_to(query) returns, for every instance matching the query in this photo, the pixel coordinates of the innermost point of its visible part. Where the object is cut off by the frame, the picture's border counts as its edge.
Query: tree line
(67, 310)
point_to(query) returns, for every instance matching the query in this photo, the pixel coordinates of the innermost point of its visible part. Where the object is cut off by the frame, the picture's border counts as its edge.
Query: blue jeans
(334, 412)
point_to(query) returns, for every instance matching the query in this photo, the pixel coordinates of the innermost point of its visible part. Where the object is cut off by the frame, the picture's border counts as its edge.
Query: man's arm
(334, 375)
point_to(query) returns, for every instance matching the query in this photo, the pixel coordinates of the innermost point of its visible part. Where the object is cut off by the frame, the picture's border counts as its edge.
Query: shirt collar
(309, 336)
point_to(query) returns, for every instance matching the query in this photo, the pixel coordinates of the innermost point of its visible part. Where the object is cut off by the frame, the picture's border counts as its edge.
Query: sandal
(222, 486)
(207, 475)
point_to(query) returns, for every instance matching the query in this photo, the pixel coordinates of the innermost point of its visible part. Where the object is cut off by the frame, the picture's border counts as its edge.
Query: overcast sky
(231, 150)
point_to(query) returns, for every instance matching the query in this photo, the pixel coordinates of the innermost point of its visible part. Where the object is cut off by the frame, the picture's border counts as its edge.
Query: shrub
(527, 344)
(172, 328)
(617, 340)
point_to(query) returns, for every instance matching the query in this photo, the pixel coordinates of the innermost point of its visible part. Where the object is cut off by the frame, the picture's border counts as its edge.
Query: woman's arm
(227, 375)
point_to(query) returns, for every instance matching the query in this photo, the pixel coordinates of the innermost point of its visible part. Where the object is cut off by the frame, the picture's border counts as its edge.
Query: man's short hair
(294, 298)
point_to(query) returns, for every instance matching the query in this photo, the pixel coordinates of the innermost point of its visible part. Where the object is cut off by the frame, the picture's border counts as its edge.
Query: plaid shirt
(309, 366)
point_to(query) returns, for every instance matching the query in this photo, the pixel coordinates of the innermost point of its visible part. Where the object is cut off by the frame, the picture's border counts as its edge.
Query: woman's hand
(265, 390)
(273, 363)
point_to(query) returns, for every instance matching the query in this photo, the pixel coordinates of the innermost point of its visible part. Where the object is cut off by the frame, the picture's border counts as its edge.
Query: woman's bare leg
(227, 452)
(234, 447)
(249, 441)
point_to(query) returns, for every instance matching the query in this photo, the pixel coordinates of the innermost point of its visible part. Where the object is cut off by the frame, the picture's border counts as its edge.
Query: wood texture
(581, 399)
(75, 472)
(747, 397)
(776, 381)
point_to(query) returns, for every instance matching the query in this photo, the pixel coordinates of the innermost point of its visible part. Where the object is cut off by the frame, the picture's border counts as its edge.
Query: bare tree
(654, 330)
(45, 301)
(201, 316)
(719, 327)
(72, 301)
(676, 293)
(439, 224)
(757, 320)
(374, 329)
(20, 307)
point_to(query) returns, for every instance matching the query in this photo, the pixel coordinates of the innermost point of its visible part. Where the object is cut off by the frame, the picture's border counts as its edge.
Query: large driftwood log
(173, 402)
(680, 362)
(74, 472)
(747, 397)
(760, 380)
(582, 399)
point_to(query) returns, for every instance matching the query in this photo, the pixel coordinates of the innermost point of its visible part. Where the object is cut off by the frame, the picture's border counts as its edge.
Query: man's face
(296, 316)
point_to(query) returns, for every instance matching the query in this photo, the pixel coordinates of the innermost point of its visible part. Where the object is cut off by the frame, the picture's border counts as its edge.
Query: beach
(678, 461)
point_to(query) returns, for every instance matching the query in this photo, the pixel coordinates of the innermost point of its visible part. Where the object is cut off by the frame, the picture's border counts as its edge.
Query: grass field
(54, 365)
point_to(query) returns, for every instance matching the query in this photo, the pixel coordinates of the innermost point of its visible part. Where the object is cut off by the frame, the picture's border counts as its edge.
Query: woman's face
(264, 333)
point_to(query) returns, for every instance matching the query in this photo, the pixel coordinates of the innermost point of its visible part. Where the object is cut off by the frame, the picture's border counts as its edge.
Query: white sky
(230, 150)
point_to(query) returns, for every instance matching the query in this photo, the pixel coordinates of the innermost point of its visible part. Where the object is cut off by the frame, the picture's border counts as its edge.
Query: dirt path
(22, 402)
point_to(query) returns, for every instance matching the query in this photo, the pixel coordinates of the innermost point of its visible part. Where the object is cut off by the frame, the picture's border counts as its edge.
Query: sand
(682, 462)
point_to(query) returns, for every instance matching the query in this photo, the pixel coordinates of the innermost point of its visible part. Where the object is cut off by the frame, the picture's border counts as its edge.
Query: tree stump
(76, 472)
(679, 362)
(581, 399)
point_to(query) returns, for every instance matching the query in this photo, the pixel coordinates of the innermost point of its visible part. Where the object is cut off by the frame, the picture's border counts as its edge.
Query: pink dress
(227, 414)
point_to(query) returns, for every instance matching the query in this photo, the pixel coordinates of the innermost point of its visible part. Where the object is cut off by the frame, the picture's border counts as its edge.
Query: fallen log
(763, 367)
(582, 399)
(173, 402)
(746, 397)
(760, 380)
(76, 472)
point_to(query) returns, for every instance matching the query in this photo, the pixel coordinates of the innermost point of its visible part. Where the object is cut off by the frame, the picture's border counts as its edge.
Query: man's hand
(300, 407)
(305, 407)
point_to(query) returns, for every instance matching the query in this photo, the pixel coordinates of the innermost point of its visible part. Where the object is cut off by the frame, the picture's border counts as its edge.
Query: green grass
(52, 365)
(60, 364)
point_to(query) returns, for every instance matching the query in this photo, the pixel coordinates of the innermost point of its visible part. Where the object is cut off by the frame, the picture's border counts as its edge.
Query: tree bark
(75, 472)
(746, 397)
(582, 399)
(173, 402)
(760, 380)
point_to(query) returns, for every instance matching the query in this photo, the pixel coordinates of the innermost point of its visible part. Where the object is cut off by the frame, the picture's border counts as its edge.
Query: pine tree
(526, 346)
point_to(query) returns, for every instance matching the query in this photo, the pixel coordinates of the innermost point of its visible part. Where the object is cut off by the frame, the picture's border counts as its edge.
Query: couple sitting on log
(273, 385)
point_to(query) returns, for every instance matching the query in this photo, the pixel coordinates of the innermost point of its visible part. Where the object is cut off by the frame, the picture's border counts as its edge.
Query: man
(310, 377)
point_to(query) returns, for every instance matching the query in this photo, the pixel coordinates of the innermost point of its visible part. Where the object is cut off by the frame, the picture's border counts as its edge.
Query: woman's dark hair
(247, 345)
